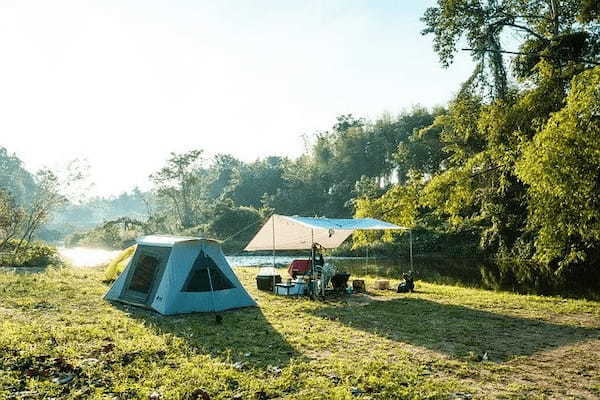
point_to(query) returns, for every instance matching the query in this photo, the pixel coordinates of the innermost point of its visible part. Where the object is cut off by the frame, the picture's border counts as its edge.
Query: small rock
(262, 395)
(62, 379)
(154, 396)
(356, 391)
(274, 370)
(198, 394)
(461, 396)
(239, 365)
(107, 348)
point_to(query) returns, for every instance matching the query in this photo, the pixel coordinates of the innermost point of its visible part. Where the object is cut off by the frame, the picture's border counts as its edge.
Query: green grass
(425, 345)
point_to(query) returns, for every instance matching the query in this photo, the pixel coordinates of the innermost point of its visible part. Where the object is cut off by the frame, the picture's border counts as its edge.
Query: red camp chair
(299, 267)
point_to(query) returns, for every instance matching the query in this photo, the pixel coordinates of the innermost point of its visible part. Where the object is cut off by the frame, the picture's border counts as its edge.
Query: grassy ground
(59, 339)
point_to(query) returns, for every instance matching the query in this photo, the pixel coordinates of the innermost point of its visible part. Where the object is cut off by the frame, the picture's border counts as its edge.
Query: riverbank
(58, 338)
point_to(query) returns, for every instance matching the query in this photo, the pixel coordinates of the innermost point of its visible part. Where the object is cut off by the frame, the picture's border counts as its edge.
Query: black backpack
(408, 285)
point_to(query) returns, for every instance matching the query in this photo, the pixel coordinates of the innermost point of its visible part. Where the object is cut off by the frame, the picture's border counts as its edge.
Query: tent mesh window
(198, 279)
(144, 273)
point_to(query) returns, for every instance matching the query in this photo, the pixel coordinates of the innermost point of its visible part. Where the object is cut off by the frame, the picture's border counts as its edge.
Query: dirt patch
(568, 371)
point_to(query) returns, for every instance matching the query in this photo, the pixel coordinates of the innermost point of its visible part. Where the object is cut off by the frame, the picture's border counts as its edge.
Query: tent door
(143, 279)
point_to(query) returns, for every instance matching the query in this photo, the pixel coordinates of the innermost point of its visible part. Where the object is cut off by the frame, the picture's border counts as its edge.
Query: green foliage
(115, 234)
(398, 205)
(561, 167)
(33, 254)
(548, 30)
(175, 184)
(516, 168)
(21, 218)
(14, 179)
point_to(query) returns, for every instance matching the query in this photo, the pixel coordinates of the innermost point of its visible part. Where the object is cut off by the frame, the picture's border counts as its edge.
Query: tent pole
(273, 241)
(212, 292)
(274, 288)
(411, 250)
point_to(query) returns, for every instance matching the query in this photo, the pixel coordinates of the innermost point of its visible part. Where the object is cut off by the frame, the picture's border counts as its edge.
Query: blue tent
(175, 275)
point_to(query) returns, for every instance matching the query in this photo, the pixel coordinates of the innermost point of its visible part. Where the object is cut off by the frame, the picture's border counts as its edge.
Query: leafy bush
(34, 254)
(115, 234)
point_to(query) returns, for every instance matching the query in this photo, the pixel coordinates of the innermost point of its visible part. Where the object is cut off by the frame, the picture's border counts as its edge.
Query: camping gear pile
(282, 232)
(268, 279)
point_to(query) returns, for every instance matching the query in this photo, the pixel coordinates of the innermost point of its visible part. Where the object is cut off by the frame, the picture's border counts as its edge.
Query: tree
(561, 167)
(415, 142)
(14, 178)
(548, 29)
(11, 216)
(224, 175)
(176, 181)
(258, 180)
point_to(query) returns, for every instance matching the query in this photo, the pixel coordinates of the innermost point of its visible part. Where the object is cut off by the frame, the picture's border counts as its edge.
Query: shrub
(33, 254)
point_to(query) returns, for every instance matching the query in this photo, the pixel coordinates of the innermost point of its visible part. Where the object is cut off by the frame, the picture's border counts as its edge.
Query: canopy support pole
(273, 219)
(313, 259)
(411, 250)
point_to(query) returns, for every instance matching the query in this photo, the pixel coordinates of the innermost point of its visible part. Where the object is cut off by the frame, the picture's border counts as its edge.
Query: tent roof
(167, 241)
(344, 223)
(282, 232)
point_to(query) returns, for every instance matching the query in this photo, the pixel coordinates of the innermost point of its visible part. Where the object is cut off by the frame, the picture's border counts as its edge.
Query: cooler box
(299, 267)
(267, 278)
(340, 281)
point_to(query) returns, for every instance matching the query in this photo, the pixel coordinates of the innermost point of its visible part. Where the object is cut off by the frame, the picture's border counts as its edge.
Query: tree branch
(526, 29)
(530, 54)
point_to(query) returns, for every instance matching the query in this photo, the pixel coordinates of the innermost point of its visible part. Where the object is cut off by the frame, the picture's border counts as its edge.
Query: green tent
(176, 275)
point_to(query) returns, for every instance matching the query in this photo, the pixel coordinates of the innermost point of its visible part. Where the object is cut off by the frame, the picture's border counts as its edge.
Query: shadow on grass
(243, 335)
(455, 330)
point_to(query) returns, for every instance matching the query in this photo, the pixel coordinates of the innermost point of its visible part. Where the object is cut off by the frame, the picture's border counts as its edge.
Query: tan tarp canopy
(282, 232)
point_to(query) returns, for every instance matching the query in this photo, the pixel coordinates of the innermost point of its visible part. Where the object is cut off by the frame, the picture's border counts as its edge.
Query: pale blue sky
(123, 83)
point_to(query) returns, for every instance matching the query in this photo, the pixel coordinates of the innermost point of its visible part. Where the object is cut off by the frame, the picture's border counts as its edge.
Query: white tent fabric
(282, 232)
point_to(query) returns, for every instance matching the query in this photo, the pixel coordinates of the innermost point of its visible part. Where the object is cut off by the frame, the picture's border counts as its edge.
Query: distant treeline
(221, 196)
